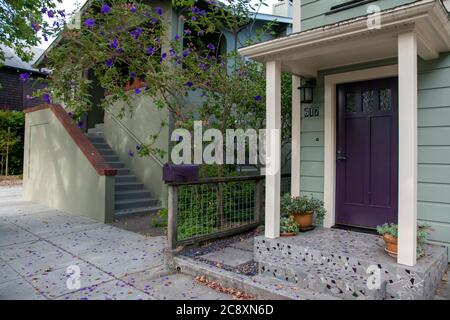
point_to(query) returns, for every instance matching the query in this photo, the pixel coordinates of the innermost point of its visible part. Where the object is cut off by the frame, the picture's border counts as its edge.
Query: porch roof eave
(352, 42)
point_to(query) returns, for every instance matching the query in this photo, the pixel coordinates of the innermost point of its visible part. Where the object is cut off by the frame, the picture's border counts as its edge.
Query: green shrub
(12, 124)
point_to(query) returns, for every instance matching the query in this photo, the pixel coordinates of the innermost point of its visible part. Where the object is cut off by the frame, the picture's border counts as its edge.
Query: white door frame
(330, 128)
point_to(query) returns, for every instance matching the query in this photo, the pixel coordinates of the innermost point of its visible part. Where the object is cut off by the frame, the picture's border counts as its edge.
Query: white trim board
(330, 128)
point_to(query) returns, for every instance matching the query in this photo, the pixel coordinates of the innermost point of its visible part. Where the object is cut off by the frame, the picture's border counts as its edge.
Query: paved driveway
(42, 250)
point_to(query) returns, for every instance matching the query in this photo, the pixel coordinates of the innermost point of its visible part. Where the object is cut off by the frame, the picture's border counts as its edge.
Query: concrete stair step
(134, 194)
(111, 158)
(323, 277)
(129, 186)
(126, 178)
(142, 210)
(116, 164)
(102, 145)
(122, 172)
(105, 152)
(135, 203)
(96, 139)
(259, 286)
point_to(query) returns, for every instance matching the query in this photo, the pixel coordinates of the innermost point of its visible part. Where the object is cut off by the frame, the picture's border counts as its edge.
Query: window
(348, 5)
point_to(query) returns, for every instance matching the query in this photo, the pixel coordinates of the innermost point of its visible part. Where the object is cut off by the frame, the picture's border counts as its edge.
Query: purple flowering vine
(24, 77)
(109, 63)
(159, 11)
(114, 44)
(89, 22)
(149, 51)
(46, 97)
(105, 9)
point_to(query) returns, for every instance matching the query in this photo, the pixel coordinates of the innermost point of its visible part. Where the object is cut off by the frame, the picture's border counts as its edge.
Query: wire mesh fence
(216, 207)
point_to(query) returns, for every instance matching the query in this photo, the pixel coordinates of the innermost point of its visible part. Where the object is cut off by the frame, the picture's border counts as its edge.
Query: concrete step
(122, 172)
(116, 164)
(134, 194)
(106, 151)
(96, 139)
(129, 186)
(102, 145)
(126, 178)
(135, 203)
(111, 158)
(142, 210)
(259, 286)
(323, 277)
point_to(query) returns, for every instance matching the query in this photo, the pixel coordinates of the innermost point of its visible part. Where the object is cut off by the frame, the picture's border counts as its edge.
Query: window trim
(348, 5)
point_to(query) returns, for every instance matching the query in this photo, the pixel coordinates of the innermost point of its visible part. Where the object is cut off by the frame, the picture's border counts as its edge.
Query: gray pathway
(41, 248)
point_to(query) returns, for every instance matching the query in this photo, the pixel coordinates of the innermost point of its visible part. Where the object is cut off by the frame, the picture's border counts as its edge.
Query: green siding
(433, 144)
(314, 11)
(434, 147)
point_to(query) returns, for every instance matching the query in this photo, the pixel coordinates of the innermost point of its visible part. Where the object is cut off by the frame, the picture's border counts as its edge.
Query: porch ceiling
(352, 42)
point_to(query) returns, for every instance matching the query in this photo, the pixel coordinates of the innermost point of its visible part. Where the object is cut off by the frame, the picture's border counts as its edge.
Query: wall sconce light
(307, 91)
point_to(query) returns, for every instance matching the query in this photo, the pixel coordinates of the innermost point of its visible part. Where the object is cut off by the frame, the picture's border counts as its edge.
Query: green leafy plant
(161, 221)
(423, 232)
(12, 124)
(288, 225)
(303, 205)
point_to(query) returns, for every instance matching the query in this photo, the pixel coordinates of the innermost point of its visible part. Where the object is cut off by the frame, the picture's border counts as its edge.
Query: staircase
(130, 195)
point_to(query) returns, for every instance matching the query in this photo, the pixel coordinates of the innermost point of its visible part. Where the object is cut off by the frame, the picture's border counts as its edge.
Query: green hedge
(15, 121)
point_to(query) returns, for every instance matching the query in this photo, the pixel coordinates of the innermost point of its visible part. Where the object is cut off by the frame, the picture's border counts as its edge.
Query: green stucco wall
(314, 11)
(142, 122)
(57, 173)
(433, 144)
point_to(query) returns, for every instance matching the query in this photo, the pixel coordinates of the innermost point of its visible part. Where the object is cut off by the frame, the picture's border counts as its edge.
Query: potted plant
(389, 231)
(288, 227)
(303, 209)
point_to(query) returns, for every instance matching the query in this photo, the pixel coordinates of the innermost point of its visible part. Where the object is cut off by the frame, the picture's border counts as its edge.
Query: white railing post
(407, 171)
(296, 137)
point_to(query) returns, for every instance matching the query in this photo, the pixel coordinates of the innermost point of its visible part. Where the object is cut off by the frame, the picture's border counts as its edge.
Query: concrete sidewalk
(41, 250)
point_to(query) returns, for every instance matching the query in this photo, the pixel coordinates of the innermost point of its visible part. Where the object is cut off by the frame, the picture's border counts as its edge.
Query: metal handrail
(133, 136)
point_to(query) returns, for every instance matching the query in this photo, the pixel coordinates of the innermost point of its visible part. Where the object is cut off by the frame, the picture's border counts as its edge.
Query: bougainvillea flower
(133, 9)
(46, 97)
(172, 52)
(159, 11)
(133, 75)
(185, 53)
(44, 10)
(80, 124)
(177, 38)
(105, 9)
(163, 55)
(50, 13)
(114, 44)
(195, 10)
(89, 22)
(150, 50)
(24, 77)
(258, 98)
(137, 90)
(130, 153)
(189, 84)
(211, 47)
(62, 13)
(187, 32)
(203, 12)
(193, 18)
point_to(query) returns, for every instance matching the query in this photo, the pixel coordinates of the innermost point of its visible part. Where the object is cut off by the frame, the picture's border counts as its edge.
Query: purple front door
(367, 153)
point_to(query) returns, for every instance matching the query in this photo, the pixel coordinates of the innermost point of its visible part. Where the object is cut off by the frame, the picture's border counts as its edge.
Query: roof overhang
(352, 42)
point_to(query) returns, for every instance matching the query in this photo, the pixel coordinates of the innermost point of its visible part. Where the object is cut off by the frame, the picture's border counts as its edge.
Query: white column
(407, 171)
(296, 16)
(296, 135)
(273, 149)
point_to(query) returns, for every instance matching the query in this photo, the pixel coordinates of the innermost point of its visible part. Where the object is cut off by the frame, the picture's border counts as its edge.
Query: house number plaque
(311, 112)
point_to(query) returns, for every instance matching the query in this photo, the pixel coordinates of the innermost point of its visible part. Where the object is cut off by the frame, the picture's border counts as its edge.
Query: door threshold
(355, 229)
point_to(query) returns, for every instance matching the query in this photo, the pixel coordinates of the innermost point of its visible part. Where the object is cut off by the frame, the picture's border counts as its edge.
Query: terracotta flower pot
(287, 234)
(304, 220)
(391, 245)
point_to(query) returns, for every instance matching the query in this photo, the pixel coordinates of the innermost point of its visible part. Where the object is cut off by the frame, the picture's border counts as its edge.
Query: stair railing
(132, 135)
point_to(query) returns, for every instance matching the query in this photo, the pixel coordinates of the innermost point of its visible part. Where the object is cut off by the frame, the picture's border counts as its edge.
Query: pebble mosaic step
(322, 277)
(259, 286)
(344, 253)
